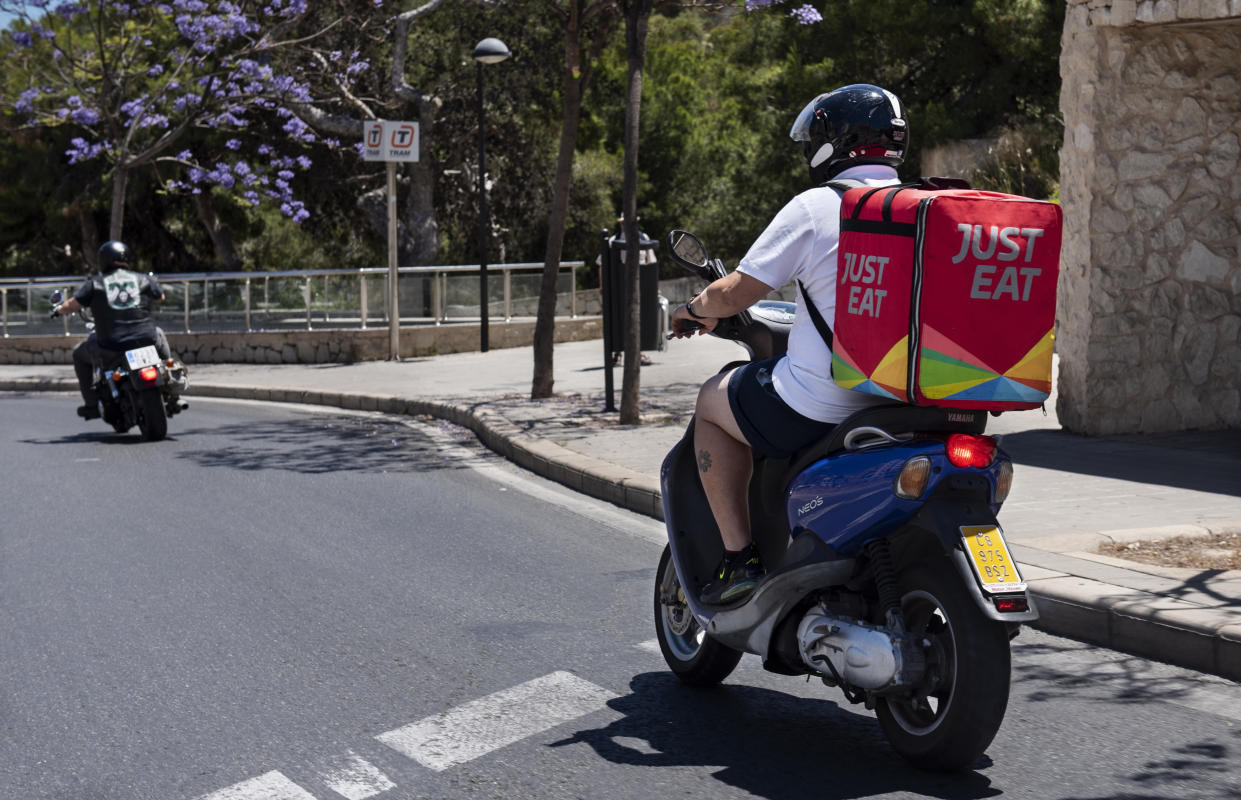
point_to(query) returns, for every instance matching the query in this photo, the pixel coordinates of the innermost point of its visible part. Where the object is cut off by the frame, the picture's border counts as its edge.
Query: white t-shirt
(800, 244)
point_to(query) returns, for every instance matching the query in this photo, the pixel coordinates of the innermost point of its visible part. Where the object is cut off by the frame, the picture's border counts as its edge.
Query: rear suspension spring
(880, 553)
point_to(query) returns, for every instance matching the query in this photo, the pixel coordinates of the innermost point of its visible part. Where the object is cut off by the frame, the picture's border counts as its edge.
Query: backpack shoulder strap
(820, 324)
(844, 184)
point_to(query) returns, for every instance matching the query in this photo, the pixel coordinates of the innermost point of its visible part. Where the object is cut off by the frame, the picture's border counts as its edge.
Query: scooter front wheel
(696, 658)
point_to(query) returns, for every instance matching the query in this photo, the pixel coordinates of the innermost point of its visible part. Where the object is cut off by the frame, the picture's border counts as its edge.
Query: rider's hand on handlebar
(685, 325)
(55, 312)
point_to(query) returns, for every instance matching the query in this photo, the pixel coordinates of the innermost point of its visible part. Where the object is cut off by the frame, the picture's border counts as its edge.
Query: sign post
(388, 141)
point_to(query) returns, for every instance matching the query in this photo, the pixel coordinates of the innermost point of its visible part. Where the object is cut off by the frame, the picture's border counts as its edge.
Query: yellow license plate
(994, 565)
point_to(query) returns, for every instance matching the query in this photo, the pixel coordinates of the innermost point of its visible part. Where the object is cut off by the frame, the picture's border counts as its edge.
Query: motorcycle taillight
(148, 374)
(965, 450)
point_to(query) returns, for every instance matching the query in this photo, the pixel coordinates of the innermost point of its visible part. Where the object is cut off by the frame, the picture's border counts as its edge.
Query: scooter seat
(895, 419)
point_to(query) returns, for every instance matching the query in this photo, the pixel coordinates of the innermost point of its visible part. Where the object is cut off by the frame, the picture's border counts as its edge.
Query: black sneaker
(736, 577)
(88, 412)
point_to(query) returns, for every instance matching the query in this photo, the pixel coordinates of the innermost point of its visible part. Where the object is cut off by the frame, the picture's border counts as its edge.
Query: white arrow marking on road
(498, 720)
(355, 778)
(270, 786)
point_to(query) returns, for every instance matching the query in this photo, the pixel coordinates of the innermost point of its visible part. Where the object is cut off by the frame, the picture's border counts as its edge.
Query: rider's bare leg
(725, 462)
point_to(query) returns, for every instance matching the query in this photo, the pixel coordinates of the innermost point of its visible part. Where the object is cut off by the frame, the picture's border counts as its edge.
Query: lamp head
(491, 51)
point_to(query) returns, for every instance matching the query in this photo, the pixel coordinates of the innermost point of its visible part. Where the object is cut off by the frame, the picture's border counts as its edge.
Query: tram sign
(388, 140)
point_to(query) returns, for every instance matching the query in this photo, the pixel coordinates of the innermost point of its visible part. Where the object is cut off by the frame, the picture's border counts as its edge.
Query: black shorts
(772, 428)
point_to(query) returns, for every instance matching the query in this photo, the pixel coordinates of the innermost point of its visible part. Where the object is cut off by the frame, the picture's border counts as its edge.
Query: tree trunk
(420, 244)
(545, 322)
(90, 234)
(225, 253)
(637, 14)
(120, 178)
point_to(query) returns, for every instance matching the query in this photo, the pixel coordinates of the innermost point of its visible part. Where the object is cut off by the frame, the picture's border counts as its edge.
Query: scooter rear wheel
(696, 658)
(946, 723)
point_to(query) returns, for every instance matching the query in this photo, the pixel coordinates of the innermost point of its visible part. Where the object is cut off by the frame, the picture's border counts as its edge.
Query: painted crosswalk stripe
(355, 778)
(498, 720)
(270, 786)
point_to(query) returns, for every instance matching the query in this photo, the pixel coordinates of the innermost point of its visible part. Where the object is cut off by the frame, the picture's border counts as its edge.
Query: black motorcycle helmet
(857, 124)
(112, 255)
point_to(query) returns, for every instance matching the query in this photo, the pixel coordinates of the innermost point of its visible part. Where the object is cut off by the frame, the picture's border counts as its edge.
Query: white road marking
(271, 786)
(498, 720)
(355, 778)
(597, 511)
(650, 646)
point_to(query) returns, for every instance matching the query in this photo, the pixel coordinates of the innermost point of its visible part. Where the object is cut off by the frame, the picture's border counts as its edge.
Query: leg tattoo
(704, 461)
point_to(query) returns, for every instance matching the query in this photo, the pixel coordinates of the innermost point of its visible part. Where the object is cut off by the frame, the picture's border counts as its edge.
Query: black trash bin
(616, 310)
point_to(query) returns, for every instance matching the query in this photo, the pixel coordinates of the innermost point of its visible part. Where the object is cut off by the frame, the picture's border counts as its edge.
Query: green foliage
(719, 93)
(1024, 161)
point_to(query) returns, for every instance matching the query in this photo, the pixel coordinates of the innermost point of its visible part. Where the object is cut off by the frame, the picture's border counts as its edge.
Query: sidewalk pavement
(1070, 492)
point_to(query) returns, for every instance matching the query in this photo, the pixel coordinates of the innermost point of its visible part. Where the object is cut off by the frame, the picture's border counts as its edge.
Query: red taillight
(149, 374)
(1011, 605)
(971, 451)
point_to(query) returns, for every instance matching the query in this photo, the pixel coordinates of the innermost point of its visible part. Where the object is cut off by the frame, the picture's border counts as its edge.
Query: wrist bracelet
(689, 307)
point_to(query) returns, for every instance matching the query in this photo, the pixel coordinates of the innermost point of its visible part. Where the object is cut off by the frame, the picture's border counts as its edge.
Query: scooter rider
(120, 301)
(777, 406)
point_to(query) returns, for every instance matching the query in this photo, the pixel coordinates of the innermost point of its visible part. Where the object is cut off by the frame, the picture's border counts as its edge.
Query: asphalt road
(280, 604)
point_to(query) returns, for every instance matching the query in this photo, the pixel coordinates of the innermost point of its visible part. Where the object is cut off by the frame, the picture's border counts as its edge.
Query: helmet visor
(800, 131)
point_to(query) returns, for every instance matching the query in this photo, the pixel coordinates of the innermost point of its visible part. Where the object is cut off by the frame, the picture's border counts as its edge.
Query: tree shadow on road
(768, 743)
(1201, 768)
(324, 444)
(99, 437)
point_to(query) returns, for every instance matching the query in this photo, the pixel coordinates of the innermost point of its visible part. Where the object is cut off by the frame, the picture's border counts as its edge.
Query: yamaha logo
(957, 416)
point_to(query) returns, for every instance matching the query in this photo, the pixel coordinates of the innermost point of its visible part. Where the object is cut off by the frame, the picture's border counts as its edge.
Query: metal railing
(305, 299)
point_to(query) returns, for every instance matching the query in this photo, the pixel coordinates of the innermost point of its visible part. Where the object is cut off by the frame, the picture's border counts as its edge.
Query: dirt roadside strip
(1194, 621)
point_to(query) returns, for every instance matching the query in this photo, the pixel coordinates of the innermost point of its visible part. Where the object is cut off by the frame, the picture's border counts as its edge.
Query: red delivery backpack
(945, 296)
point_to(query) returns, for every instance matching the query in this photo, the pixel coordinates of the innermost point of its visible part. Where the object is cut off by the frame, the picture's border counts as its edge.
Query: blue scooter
(887, 573)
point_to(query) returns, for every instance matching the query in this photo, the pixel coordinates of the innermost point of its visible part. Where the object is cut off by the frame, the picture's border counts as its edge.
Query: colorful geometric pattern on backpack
(946, 371)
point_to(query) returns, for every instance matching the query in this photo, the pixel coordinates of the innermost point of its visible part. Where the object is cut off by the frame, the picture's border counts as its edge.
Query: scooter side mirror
(688, 251)
(56, 297)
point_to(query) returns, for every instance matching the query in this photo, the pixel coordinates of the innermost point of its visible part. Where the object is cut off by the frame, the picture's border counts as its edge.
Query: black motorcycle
(136, 386)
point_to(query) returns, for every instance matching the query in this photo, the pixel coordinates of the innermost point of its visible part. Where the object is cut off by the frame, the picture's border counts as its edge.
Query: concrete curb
(1126, 619)
(1148, 625)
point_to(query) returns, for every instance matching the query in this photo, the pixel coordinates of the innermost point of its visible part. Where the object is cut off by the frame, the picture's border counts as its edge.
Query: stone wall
(314, 347)
(1149, 327)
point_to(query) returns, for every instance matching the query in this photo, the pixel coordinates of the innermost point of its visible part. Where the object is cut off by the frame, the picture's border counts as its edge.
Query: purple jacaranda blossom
(67, 11)
(82, 150)
(806, 15)
(84, 116)
(233, 144)
(25, 101)
(22, 39)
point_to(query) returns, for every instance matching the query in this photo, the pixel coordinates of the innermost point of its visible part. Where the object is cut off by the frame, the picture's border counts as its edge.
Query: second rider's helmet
(857, 124)
(113, 255)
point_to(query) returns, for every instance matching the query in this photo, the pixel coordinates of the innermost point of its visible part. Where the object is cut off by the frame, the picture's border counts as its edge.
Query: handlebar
(687, 326)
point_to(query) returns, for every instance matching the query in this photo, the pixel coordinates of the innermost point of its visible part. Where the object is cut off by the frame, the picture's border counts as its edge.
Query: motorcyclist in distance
(778, 406)
(120, 301)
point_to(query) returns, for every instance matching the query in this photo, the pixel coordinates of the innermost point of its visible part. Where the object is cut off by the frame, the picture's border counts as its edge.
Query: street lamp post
(488, 51)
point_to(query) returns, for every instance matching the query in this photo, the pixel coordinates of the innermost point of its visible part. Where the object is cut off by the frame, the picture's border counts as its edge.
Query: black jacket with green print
(121, 304)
